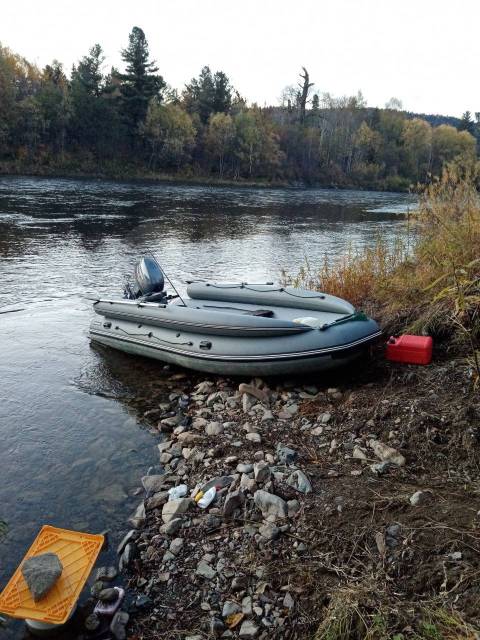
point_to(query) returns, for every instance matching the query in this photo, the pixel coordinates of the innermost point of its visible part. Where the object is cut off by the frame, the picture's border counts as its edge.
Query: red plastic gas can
(410, 349)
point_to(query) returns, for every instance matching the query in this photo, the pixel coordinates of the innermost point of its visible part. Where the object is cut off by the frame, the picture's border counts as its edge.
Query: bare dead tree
(305, 87)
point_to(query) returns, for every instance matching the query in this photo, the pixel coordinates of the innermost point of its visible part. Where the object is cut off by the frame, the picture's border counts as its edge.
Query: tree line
(132, 122)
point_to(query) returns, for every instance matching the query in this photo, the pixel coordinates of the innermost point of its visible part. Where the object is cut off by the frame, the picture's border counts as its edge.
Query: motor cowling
(149, 277)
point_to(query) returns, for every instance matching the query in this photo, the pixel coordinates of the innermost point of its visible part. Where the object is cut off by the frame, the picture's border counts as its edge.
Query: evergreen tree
(466, 123)
(208, 94)
(94, 122)
(199, 95)
(140, 82)
(222, 100)
(87, 76)
(53, 103)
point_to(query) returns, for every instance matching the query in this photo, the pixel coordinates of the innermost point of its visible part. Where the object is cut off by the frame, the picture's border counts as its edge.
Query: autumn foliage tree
(129, 121)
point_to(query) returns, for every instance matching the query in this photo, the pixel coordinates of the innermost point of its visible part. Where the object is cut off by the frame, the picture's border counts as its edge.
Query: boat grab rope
(150, 335)
(245, 285)
(353, 317)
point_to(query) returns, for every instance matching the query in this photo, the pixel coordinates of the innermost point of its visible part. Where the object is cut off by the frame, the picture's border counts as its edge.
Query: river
(71, 452)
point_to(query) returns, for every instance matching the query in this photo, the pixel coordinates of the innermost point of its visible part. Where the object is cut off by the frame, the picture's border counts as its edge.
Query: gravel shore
(354, 499)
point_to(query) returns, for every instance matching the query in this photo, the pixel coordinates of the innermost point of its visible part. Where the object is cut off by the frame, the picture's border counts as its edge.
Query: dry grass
(358, 276)
(351, 615)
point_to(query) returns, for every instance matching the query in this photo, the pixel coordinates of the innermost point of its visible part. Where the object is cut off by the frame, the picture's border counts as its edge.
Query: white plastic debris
(177, 492)
(207, 498)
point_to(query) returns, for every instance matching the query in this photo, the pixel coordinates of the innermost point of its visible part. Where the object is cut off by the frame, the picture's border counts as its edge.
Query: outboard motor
(149, 276)
(149, 282)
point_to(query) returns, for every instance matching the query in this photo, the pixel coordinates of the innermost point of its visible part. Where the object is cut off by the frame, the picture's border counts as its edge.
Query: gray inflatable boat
(233, 328)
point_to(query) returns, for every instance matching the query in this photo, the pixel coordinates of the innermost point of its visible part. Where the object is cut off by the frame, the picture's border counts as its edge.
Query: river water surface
(71, 454)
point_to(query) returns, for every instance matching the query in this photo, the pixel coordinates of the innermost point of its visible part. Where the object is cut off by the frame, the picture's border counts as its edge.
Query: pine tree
(140, 82)
(466, 123)
(94, 121)
(208, 94)
(223, 93)
(199, 95)
(88, 74)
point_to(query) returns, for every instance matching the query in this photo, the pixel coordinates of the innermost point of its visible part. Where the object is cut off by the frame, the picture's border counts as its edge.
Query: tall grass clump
(359, 275)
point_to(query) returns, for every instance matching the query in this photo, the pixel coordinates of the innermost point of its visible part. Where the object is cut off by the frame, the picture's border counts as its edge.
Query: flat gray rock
(41, 573)
(299, 481)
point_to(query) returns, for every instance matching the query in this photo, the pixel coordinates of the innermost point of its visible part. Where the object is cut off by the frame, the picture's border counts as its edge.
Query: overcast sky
(425, 52)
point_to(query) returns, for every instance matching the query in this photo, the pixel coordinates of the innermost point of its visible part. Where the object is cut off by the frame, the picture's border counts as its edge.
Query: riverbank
(118, 172)
(349, 506)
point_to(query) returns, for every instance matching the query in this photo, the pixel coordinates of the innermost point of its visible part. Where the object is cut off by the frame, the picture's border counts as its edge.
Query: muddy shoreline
(351, 502)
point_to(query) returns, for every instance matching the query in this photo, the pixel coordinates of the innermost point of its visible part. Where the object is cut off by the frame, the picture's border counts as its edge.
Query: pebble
(205, 570)
(261, 472)
(358, 453)
(249, 389)
(244, 468)
(153, 484)
(270, 504)
(285, 454)
(118, 625)
(92, 622)
(125, 540)
(108, 595)
(188, 437)
(106, 573)
(229, 608)
(247, 483)
(247, 403)
(299, 481)
(421, 497)
(386, 453)
(96, 588)
(174, 508)
(254, 437)
(175, 546)
(233, 501)
(164, 446)
(269, 531)
(172, 527)
(128, 553)
(239, 583)
(248, 630)
(214, 429)
(216, 626)
(288, 601)
(293, 507)
(156, 501)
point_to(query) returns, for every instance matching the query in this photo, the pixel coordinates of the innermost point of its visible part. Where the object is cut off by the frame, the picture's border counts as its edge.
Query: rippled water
(71, 454)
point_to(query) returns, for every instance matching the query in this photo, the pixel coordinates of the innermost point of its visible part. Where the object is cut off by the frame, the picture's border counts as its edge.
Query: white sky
(425, 52)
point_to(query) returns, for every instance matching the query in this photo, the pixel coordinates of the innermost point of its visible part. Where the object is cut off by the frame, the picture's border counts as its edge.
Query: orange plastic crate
(77, 552)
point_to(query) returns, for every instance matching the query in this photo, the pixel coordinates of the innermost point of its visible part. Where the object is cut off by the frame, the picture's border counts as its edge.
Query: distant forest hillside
(131, 123)
(436, 119)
